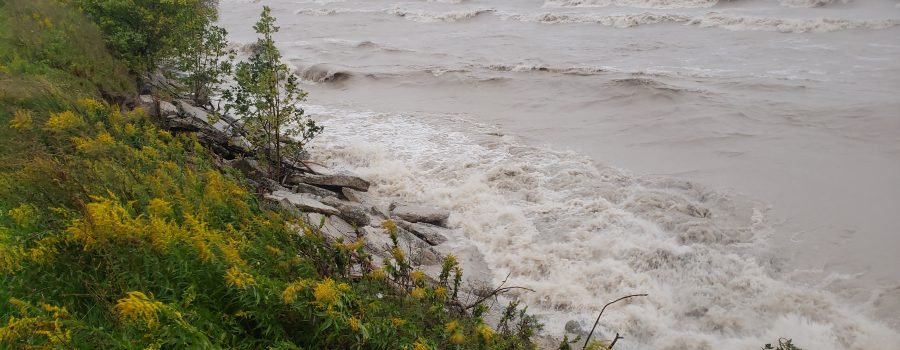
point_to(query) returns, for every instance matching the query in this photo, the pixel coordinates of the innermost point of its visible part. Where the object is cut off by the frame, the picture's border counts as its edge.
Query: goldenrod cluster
(136, 307)
(290, 292)
(234, 277)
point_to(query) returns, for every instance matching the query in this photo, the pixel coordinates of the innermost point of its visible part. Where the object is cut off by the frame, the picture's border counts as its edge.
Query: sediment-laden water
(737, 160)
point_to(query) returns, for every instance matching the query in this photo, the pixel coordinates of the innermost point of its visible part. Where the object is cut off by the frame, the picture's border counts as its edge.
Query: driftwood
(588, 340)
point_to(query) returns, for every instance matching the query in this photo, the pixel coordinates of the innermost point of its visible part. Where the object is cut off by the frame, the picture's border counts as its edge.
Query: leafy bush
(144, 32)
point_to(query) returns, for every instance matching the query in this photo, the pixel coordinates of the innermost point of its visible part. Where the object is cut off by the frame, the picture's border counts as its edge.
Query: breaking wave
(428, 16)
(579, 234)
(656, 4)
(323, 73)
(712, 19)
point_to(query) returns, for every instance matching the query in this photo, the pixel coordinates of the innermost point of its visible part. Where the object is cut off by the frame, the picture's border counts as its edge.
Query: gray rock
(575, 328)
(304, 202)
(310, 189)
(167, 109)
(420, 253)
(432, 234)
(351, 195)
(332, 227)
(418, 213)
(335, 180)
(280, 204)
(148, 104)
(196, 112)
(356, 214)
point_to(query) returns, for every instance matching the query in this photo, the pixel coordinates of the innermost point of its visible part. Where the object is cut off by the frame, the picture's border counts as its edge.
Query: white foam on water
(580, 235)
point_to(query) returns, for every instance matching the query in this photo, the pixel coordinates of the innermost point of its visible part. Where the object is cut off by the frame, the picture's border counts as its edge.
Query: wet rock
(355, 213)
(432, 234)
(334, 180)
(303, 202)
(420, 213)
(310, 189)
(575, 328)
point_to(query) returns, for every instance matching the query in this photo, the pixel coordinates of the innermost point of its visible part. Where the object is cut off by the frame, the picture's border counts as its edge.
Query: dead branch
(497, 291)
(586, 341)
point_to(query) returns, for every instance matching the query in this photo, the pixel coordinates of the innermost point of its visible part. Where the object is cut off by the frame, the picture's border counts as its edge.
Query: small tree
(266, 95)
(205, 60)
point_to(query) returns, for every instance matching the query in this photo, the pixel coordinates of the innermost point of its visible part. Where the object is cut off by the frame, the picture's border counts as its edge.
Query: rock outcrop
(331, 180)
(420, 213)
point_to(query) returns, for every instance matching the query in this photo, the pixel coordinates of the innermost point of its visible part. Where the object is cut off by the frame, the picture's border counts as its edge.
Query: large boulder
(420, 213)
(304, 202)
(333, 180)
(432, 234)
(355, 213)
(190, 110)
(379, 242)
(332, 227)
(313, 190)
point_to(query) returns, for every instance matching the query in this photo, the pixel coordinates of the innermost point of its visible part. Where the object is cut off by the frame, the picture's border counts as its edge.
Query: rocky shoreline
(340, 205)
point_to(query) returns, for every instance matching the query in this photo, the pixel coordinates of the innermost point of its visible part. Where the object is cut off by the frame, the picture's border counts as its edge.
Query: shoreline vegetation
(136, 212)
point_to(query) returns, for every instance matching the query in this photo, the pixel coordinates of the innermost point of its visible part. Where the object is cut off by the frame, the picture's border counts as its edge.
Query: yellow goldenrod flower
(417, 293)
(457, 338)
(326, 292)
(21, 119)
(23, 215)
(389, 225)
(343, 287)
(63, 121)
(450, 259)
(397, 322)
(290, 293)
(136, 306)
(90, 104)
(417, 276)
(354, 324)
(159, 207)
(420, 345)
(398, 254)
(440, 292)
(485, 332)
(377, 274)
(238, 279)
(451, 326)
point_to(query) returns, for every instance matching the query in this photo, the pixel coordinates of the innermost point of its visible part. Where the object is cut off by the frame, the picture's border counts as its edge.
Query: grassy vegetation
(117, 234)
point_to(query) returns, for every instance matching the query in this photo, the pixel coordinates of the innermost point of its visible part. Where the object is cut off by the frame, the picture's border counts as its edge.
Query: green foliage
(267, 95)
(143, 32)
(205, 61)
(783, 344)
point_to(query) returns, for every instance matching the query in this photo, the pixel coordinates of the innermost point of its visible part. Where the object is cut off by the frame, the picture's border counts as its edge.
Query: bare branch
(586, 341)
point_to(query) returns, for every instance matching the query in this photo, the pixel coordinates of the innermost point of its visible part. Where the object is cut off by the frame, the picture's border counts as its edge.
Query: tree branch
(586, 341)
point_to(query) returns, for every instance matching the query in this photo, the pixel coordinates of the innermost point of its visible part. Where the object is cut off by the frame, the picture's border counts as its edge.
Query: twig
(586, 341)
(615, 340)
(499, 290)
